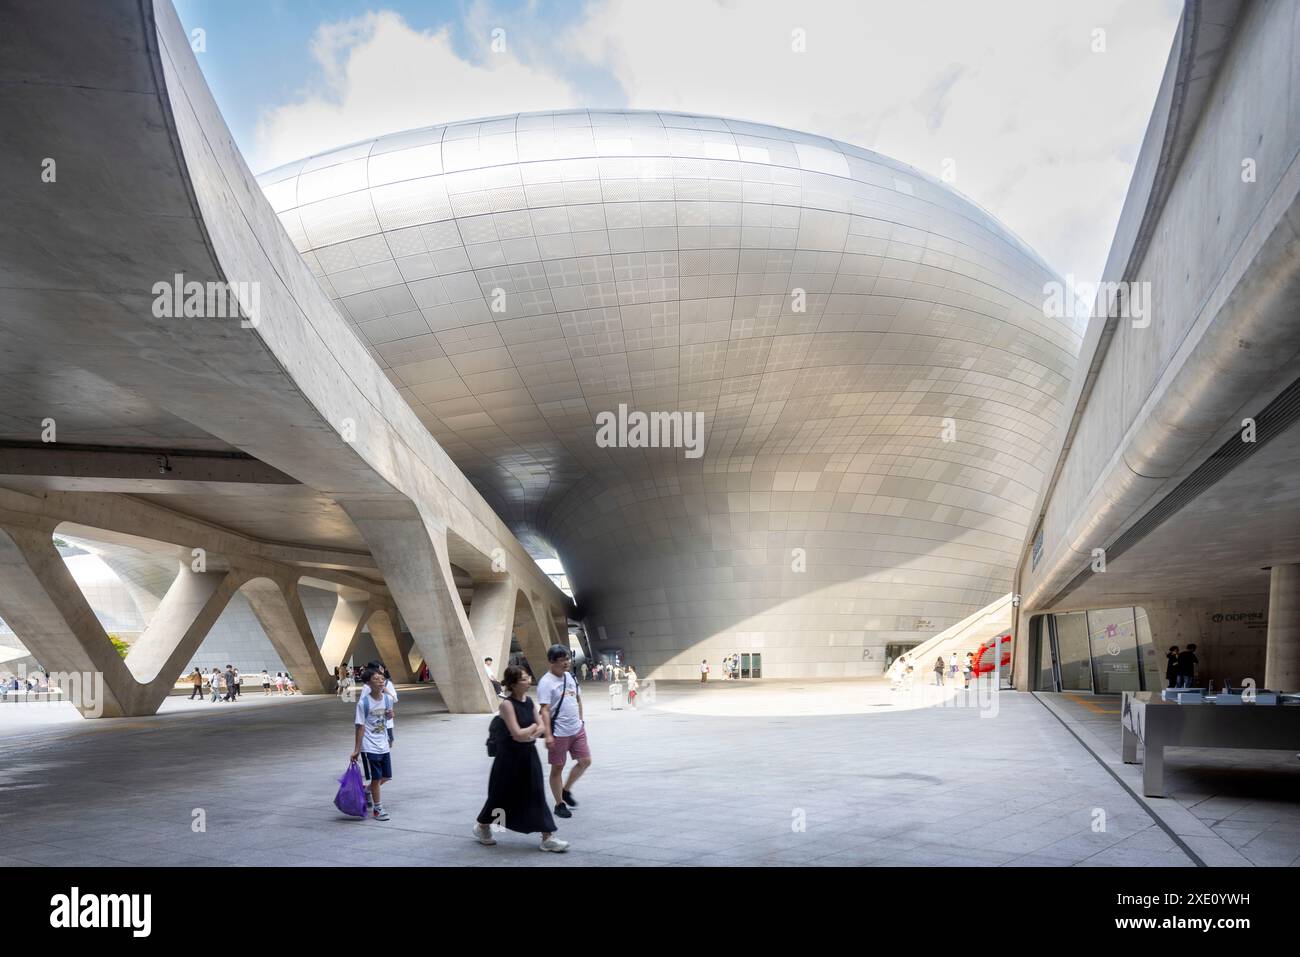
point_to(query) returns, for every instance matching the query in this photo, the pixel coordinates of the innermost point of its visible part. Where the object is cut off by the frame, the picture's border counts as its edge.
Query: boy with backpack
(374, 711)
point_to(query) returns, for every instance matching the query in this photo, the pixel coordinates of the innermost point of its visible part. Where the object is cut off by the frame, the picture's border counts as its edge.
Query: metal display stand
(1156, 724)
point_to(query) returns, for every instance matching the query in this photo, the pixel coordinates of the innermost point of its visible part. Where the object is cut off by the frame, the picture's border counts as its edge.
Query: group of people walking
(226, 685)
(902, 673)
(517, 798)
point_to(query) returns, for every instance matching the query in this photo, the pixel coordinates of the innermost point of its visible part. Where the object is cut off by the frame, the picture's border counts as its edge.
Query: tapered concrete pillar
(1282, 653)
(411, 552)
(491, 617)
(531, 632)
(41, 601)
(182, 620)
(384, 635)
(345, 627)
(279, 610)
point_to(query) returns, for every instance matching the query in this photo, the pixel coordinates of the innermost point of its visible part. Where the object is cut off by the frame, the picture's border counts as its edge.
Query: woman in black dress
(516, 797)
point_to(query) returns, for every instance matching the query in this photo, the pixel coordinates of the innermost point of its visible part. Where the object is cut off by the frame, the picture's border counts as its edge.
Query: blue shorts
(378, 767)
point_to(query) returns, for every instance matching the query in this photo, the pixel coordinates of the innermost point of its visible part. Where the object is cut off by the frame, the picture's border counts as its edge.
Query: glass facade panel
(1072, 652)
(1153, 663)
(1046, 678)
(1112, 636)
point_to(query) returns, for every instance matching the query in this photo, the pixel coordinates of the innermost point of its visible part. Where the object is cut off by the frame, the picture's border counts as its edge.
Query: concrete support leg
(40, 600)
(411, 554)
(531, 631)
(345, 627)
(491, 617)
(1282, 653)
(384, 634)
(279, 610)
(410, 652)
(182, 620)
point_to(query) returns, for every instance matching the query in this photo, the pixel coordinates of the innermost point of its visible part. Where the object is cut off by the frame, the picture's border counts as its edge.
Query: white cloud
(1042, 130)
(378, 75)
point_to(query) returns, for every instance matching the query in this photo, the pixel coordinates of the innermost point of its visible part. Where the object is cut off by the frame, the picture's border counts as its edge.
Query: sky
(1034, 109)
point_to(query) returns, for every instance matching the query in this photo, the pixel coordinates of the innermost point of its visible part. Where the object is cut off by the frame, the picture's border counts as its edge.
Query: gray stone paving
(933, 786)
(1232, 807)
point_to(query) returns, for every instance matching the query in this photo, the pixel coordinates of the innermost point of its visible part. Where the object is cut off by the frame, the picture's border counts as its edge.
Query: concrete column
(491, 617)
(532, 633)
(279, 610)
(1282, 653)
(345, 626)
(411, 552)
(41, 601)
(182, 620)
(384, 634)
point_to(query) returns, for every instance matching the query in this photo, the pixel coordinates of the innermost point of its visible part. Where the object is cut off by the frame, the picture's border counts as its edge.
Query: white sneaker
(483, 835)
(380, 813)
(555, 844)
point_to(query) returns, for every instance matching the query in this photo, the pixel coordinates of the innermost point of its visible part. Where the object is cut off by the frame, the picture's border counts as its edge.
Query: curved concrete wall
(520, 275)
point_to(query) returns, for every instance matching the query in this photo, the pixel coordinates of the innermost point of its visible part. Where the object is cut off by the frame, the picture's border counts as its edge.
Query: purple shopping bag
(351, 799)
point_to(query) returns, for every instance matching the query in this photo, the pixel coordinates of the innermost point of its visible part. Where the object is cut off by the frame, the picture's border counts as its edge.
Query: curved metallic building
(879, 381)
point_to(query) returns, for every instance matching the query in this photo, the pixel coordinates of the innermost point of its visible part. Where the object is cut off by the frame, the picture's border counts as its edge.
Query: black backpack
(496, 732)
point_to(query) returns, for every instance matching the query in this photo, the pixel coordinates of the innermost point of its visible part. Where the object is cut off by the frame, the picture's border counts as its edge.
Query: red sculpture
(982, 667)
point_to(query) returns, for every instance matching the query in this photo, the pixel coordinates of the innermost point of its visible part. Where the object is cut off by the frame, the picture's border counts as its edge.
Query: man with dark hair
(564, 727)
(1187, 662)
(1171, 666)
(492, 677)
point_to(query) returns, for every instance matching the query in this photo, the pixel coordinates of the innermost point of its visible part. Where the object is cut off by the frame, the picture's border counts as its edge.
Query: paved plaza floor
(697, 778)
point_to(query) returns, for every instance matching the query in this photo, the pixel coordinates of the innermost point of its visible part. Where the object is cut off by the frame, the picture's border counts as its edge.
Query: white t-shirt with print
(374, 736)
(549, 692)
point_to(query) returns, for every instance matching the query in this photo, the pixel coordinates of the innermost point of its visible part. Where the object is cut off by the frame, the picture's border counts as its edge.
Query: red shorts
(564, 745)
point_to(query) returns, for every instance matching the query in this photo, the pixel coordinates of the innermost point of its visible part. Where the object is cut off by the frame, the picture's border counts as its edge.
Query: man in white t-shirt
(490, 668)
(704, 671)
(566, 731)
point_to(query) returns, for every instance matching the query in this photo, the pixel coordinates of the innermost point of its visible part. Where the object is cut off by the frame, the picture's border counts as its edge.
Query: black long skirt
(517, 791)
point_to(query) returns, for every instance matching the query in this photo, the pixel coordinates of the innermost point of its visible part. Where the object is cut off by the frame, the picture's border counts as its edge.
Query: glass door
(1112, 639)
(756, 666)
(1073, 657)
(744, 665)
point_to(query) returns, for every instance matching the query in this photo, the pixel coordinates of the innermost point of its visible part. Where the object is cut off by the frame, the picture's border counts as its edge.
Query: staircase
(989, 622)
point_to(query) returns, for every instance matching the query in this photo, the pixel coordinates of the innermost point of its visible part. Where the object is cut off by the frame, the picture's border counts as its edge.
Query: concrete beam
(89, 468)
